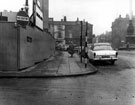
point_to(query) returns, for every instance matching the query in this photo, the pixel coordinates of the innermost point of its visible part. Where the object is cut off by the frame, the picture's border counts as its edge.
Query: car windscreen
(102, 47)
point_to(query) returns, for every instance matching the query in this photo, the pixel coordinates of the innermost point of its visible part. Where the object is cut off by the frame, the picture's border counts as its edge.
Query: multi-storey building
(67, 32)
(119, 30)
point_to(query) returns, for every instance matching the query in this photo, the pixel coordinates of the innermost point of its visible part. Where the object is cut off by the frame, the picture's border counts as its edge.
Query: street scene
(59, 52)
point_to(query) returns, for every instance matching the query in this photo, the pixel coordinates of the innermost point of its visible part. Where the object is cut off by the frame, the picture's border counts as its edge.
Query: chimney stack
(65, 18)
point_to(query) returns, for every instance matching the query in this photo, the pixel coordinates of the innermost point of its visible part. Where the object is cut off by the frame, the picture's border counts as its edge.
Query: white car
(102, 52)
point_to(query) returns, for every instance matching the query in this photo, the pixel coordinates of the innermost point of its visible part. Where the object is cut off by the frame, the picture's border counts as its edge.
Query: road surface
(112, 85)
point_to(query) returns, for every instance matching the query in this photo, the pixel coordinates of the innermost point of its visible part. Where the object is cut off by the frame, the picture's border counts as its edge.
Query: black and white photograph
(67, 52)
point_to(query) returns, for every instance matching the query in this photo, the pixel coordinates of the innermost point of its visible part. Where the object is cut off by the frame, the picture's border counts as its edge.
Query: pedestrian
(71, 50)
(127, 46)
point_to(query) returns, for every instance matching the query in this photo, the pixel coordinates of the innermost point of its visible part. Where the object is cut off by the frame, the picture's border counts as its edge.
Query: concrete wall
(23, 47)
(8, 46)
(35, 46)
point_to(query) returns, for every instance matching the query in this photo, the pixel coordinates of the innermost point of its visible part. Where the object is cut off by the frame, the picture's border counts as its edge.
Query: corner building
(67, 32)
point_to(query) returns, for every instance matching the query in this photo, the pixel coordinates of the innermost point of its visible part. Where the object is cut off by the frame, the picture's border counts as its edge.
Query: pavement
(60, 65)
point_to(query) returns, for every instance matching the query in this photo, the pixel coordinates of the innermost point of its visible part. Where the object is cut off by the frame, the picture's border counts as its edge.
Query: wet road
(112, 85)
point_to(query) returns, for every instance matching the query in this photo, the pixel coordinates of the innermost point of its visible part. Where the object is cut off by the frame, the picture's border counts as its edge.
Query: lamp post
(86, 41)
(26, 6)
(81, 41)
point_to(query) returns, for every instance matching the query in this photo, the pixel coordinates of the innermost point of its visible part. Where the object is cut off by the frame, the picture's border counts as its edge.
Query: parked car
(65, 47)
(77, 49)
(102, 52)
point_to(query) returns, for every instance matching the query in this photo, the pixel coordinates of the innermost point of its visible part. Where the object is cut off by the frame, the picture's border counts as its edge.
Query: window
(103, 47)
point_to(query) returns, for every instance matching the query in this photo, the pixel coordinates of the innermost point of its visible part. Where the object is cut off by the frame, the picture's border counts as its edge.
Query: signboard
(22, 18)
(38, 15)
(39, 18)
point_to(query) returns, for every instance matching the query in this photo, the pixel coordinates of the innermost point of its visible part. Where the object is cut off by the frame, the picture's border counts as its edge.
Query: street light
(86, 41)
(81, 41)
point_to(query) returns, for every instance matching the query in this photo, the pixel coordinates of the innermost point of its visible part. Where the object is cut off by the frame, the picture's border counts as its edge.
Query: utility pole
(27, 6)
(81, 40)
(86, 41)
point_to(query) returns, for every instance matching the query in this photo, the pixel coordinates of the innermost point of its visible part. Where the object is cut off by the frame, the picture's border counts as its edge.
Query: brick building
(67, 32)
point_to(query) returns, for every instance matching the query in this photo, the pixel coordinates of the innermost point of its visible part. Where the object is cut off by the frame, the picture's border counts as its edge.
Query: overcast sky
(100, 13)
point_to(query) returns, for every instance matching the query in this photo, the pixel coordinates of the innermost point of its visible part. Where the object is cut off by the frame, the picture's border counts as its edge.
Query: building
(3, 18)
(11, 16)
(67, 32)
(119, 30)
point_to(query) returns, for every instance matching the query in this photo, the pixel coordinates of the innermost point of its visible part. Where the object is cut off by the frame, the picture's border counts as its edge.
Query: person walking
(71, 50)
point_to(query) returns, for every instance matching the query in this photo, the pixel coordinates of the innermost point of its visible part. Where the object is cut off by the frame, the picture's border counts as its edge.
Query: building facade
(119, 30)
(11, 16)
(67, 32)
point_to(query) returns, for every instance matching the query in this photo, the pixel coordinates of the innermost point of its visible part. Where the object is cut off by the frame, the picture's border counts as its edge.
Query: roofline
(67, 22)
(102, 43)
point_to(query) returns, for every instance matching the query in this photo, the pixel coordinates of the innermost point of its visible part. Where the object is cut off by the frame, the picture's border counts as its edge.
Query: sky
(100, 13)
